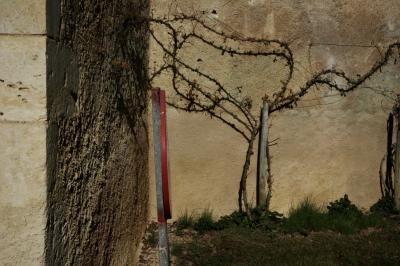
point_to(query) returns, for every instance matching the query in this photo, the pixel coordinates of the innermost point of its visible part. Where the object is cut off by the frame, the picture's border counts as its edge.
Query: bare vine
(386, 180)
(229, 105)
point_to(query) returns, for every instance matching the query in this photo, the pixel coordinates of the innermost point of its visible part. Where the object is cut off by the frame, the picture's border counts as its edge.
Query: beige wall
(328, 146)
(22, 131)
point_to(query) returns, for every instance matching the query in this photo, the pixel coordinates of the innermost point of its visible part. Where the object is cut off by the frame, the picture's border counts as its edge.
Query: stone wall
(22, 131)
(328, 145)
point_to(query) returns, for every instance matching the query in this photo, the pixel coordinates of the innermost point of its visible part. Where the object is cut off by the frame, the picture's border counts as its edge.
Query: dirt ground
(241, 246)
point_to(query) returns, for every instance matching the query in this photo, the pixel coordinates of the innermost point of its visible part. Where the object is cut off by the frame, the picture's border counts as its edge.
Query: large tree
(97, 139)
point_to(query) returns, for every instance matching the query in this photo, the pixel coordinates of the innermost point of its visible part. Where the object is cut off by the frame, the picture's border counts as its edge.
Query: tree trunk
(97, 145)
(269, 180)
(243, 180)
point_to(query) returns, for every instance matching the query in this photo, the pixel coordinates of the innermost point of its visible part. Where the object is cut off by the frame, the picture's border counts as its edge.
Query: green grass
(342, 217)
(304, 218)
(385, 206)
(201, 223)
(204, 222)
(184, 221)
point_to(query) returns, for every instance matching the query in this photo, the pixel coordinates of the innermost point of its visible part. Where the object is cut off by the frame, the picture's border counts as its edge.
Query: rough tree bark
(97, 141)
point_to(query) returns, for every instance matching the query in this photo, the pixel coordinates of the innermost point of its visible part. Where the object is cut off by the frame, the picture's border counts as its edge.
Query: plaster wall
(22, 131)
(328, 146)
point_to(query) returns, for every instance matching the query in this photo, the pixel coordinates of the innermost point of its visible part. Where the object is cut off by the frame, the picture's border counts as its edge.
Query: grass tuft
(204, 222)
(305, 217)
(184, 221)
(342, 216)
(385, 206)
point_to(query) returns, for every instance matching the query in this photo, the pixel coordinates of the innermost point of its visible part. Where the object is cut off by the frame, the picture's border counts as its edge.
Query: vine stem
(243, 180)
(269, 180)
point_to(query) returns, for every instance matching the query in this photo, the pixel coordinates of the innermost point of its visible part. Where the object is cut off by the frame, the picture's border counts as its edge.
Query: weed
(266, 220)
(185, 221)
(151, 238)
(260, 219)
(384, 206)
(305, 217)
(343, 206)
(204, 222)
(342, 216)
(177, 249)
(234, 219)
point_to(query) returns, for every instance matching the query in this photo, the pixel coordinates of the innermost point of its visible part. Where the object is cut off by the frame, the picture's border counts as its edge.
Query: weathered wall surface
(328, 145)
(97, 135)
(22, 132)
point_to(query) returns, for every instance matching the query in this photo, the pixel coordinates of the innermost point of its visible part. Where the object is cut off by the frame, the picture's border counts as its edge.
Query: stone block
(23, 60)
(21, 103)
(23, 16)
(22, 192)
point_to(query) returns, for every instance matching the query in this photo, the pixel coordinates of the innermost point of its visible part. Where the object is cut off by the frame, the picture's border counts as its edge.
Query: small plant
(342, 216)
(266, 220)
(151, 235)
(177, 249)
(205, 222)
(384, 206)
(260, 219)
(305, 217)
(185, 221)
(343, 206)
(234, 219)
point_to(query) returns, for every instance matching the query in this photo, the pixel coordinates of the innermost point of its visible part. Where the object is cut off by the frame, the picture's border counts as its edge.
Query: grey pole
(389, 159)
(397, 165)
(262, 157)
(162, 224)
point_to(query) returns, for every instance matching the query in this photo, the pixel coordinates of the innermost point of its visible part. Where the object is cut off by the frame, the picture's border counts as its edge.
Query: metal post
(163, 243)
(389, 159)
(164, 157)
(162, 224)
(262, 157)
(397, 166)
